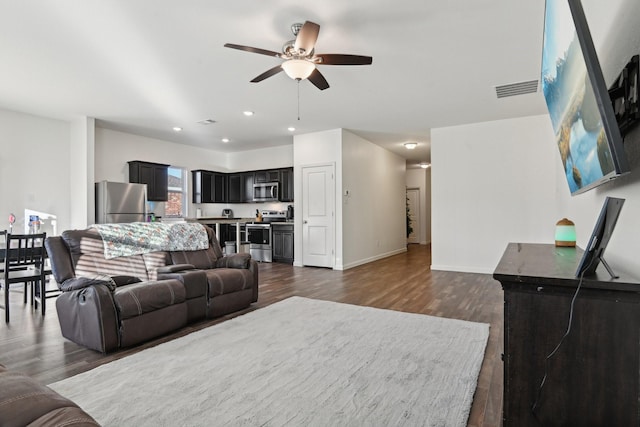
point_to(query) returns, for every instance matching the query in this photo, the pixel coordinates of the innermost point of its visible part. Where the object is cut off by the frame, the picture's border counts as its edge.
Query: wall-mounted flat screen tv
(578, 101)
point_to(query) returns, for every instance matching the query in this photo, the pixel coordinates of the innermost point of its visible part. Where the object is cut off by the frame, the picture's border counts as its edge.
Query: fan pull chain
(298, 99)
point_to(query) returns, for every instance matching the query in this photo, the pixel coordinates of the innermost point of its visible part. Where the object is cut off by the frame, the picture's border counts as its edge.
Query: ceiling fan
(300, 59)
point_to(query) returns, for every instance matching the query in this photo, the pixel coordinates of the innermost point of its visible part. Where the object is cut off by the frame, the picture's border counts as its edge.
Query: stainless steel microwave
(265, 192)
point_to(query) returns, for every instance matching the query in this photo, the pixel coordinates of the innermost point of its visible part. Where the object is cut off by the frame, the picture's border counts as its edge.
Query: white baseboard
(370, 259)
(462, 269)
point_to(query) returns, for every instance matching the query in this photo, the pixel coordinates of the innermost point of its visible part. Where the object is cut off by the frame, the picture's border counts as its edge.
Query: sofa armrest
(24, 401)
(88, 317)
(174, 268)
(76, 283)
(234, 261)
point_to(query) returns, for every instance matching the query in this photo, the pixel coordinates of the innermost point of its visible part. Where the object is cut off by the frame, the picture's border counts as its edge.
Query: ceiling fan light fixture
(298, 69)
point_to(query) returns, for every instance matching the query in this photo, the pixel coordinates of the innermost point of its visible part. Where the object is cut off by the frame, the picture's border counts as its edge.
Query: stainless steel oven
(259, 237)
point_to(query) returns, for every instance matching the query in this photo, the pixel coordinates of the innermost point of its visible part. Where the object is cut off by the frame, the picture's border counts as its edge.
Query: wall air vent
(207, 122)
(514, 89)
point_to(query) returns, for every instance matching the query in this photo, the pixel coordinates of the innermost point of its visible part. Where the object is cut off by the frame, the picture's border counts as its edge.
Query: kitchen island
(221, 227)
(267, 238)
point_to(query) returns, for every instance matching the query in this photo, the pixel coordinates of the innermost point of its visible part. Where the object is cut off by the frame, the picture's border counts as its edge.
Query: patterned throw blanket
(141, 237)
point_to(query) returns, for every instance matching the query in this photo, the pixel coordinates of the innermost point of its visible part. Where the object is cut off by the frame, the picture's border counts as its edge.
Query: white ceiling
(145, 66)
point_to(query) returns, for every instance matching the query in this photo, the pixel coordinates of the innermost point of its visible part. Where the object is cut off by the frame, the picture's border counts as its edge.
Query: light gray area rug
(299, 362)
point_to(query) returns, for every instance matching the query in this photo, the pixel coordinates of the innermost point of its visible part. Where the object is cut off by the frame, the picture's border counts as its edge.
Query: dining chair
(40, 293)
(24, 259)
(3, 238)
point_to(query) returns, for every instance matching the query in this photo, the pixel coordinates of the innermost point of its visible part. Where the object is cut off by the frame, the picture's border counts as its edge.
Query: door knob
(304, 222)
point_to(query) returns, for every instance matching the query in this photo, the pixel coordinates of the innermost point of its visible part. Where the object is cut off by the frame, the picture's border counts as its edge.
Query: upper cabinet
(152, 174)
(209, 187)
(286, 185)
(237, 187)
(249, 179)
(267, 175)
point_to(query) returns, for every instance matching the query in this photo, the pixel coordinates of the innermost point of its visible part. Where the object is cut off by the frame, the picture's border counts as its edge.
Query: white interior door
(413, 200)
(318, 229)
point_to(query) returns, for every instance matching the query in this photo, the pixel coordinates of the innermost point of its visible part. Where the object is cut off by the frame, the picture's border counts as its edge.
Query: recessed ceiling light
(248, 113)
(425, 165)
(291, 128)
(225, 140)
(410, 145)
(177, 128)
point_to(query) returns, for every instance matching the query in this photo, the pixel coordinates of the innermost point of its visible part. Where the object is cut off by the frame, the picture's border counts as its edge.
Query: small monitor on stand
(593, 254)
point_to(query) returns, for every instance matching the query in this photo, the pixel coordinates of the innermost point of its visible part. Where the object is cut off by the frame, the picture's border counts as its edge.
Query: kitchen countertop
(223, 220)
(219, 220)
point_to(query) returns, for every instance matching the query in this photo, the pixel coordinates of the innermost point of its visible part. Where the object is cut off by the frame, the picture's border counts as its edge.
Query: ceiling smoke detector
(207, 122)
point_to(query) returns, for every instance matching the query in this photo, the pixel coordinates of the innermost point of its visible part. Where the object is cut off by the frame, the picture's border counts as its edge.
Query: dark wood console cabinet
(593, 379)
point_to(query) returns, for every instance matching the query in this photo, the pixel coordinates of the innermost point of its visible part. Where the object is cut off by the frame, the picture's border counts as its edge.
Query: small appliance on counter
(289, 212)
(227, 213)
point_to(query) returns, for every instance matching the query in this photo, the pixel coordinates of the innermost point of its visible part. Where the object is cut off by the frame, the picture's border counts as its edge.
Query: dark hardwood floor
(33, 344)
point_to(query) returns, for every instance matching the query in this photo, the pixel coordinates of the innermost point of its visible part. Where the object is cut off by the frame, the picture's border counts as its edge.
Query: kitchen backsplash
(240, 210)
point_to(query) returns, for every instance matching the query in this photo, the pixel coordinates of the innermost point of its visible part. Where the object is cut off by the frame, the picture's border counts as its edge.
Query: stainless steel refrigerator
(118, 202)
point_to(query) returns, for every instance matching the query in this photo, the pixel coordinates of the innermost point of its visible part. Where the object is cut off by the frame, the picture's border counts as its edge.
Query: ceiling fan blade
(253, 49)
(271, 72)
(306, 39)
(318, 80)
(339, 59)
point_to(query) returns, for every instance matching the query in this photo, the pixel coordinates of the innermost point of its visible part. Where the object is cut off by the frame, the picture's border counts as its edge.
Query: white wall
(114, 149)
(34, 168)
(82, 155)
(492, 183)
(265, 158)
(370, 222)
(478, 168)
(373, 214)
(421, 179)
(320, 148)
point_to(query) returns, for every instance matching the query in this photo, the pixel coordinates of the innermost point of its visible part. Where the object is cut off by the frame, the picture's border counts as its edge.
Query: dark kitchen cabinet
(267, 175)
(209, 187)
(236, 188)
(282, 242)
(248, 187)
(154, 175)
(224, 232)
(286, 185)
(219, 188)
